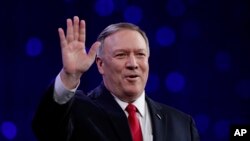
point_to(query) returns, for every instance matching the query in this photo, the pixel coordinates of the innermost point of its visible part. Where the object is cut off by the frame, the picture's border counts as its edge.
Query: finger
(76, 27)
(82, 36)
(63, 40)
(93, 49)
(70, 35)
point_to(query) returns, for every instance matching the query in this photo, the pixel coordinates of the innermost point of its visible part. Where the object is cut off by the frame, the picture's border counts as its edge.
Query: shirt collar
(139, 103)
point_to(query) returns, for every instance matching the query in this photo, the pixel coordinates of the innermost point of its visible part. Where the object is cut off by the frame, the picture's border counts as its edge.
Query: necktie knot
(131, 108)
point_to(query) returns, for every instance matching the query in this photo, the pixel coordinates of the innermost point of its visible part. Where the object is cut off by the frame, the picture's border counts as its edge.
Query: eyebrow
(125, 50)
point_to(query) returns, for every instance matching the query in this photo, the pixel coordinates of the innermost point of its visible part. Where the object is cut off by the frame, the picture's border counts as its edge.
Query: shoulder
(174, 120)
(98, 93)
(168, 111)
(93, 94)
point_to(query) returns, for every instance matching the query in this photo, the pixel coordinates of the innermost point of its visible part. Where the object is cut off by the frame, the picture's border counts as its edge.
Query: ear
(99, 63)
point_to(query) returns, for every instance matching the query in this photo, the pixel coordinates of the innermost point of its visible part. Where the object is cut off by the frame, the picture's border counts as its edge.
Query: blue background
(199, 59)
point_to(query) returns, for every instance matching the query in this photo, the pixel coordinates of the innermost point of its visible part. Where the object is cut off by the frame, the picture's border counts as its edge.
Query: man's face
(124, 64)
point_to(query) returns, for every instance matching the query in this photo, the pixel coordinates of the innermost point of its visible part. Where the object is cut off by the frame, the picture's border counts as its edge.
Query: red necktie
(134, 123)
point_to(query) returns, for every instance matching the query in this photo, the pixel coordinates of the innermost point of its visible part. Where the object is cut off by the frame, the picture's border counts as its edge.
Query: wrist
(70, 80)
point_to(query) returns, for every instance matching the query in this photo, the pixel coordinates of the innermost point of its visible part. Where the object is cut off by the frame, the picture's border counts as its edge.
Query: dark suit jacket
(98, 117)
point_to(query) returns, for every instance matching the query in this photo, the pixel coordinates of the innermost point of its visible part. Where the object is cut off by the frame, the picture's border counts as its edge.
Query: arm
(52, 119)
(61, 94)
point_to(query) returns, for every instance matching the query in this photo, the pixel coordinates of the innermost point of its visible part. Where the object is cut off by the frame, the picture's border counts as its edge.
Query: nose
(132, 62)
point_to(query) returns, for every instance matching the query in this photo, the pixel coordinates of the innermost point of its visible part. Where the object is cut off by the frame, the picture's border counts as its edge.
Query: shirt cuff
(61, 94)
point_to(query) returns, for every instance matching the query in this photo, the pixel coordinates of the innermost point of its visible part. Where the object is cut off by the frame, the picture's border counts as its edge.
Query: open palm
(75, 59)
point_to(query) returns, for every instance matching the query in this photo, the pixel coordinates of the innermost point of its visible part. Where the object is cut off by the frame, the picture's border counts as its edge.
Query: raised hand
(75, 59)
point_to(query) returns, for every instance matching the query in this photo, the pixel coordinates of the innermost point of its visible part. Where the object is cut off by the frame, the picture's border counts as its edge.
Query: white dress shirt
(62, 95)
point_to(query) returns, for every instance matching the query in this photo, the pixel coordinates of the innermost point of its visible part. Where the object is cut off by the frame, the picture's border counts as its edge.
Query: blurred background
(199, 61)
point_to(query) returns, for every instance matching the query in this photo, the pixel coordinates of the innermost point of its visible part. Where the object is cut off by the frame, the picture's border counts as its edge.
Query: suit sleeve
(52, 120)
(194, 131)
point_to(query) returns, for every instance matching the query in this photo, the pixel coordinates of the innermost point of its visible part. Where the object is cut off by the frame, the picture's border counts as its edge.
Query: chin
(134, 92)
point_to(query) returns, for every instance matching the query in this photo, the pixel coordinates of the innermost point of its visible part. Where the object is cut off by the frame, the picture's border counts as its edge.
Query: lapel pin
(158, 116)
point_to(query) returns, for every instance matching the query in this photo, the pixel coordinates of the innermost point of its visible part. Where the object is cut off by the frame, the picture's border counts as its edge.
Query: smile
(132, 77)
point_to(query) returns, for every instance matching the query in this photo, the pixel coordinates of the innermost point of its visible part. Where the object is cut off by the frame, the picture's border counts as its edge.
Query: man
(105, 114)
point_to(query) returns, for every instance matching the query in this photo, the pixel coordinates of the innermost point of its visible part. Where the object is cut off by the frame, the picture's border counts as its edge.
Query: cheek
(145, 66)
(114, 68)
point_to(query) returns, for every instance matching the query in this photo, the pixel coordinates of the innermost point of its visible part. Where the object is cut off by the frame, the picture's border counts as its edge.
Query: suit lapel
(115, 113)
(158, 119)
(117, 116)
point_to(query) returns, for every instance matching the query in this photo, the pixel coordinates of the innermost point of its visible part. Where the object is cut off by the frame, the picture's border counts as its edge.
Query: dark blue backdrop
(199, 59)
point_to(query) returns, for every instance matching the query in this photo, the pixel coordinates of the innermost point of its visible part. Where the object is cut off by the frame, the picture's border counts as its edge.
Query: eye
(120, 55)
(141, 54)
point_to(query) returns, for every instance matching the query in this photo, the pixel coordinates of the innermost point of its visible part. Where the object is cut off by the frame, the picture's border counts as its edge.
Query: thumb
(93, 50)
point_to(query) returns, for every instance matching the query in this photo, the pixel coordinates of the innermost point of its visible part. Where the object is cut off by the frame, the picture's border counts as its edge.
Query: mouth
(132, 77)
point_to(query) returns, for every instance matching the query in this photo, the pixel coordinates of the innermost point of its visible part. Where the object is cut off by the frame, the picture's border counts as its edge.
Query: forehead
(125, 39)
